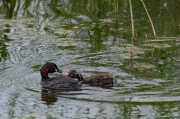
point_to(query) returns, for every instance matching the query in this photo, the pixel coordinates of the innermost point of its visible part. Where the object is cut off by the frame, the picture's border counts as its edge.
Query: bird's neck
(44, 76)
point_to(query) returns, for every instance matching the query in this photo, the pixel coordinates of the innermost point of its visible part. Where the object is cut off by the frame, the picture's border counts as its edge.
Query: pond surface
(92, 37)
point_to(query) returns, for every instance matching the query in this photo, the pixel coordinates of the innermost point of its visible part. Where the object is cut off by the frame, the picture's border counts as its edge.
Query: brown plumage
(94, 80)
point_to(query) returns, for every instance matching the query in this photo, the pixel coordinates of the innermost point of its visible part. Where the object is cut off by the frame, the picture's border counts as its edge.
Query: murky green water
(92, 37)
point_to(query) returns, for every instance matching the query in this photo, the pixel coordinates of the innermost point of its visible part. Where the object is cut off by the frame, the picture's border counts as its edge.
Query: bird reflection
(51, 96)
(48, 97)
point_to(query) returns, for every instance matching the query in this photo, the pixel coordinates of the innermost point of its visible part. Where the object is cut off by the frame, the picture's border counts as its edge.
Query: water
(85, 35)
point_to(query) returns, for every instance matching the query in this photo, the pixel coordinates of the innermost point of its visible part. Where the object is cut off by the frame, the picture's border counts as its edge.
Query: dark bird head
(74, 74)
(49, 67)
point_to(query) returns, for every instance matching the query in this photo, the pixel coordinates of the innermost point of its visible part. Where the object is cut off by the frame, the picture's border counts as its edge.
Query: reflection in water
(51, 96)
(149, 90)
(3, 50)
(48, 97)
(3, 40)
(10, 8)
(95, 39)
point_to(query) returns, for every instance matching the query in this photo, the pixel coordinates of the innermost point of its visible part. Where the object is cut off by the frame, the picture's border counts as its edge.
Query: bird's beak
(60, 71)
